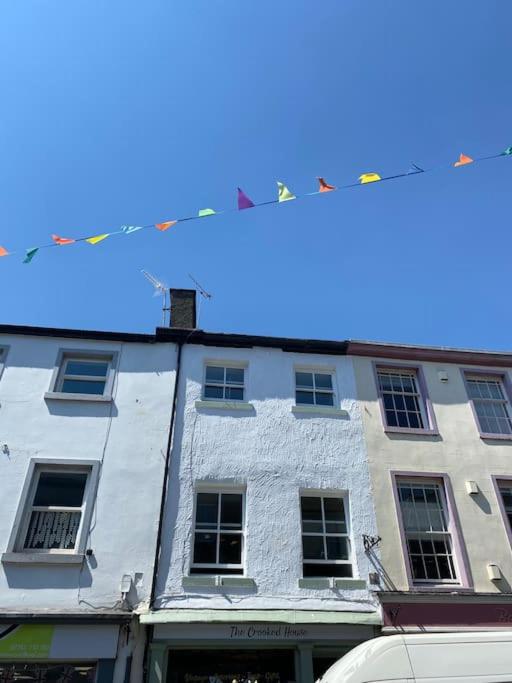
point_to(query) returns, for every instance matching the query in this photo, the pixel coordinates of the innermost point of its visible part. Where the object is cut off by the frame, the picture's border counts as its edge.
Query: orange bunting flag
(62, 240)
(325, 187)
(3, 251)
(463, 160)
(165, 226)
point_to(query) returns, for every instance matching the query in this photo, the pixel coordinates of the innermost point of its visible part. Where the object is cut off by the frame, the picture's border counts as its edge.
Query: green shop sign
(25, 641)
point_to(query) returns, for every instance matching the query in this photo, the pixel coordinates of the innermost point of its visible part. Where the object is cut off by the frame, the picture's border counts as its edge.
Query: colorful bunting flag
(3, 251)
(369, 178)
(165, 226)
(128, 229)
(463, 160)
(62, 240)
(97, 238)
(508, 151)
(284, 193)
(205, 212)
(325, 187)
(29, 255)
(243, 201)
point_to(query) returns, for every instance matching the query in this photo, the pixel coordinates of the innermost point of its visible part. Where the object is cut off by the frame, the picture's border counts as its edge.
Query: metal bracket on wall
(370, 542)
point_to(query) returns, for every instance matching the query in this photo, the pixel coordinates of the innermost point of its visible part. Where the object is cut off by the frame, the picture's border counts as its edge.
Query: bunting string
(244, 203)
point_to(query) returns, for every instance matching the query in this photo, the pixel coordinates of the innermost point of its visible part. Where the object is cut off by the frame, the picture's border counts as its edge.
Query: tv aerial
(161, 289)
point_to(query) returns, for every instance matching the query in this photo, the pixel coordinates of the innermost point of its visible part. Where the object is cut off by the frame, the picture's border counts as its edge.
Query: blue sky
(132, 112)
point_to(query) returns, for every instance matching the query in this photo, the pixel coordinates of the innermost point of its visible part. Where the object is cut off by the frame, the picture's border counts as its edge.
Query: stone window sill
(42, 558)
(217, 581)
(321, 583)
(63, 396)
(406, 430)
(224, 405)
(496, 437)
(319, 410)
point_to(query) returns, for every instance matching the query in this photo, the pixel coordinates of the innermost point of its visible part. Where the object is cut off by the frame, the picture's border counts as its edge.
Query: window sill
(42, 558)
(322, 583)
(406, 430)
(440, 588)
(62, 396)
(496, 437)
(224, 405)
(216, 581)
(320, 410)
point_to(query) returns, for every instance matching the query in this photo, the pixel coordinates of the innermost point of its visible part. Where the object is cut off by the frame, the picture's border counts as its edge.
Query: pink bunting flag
(243, 201)
(62, 240)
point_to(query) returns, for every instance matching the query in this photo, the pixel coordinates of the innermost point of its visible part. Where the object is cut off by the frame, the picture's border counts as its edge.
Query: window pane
(418, 570)
(78, 386)
(304, 379)
(305, 397)
(214, 374)
(323, 381)
(327, 570)
(313, 547)
(385, 381)
(324, 399)
(207, 510)
(63, 489)
(313, 527)
(52, 530)
(79, 367)
(230, 549)
(391, 418)
(205, 548)
(337, 548)
(213, 392)
(231, 511)
(234, 376)
(334, 509)
(311, 507)
(234, 394)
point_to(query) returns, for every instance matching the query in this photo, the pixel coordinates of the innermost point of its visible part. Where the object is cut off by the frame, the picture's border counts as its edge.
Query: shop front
(255, 652)
(57, 653)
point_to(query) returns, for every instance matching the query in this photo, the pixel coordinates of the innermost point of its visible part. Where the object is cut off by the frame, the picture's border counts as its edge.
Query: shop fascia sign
(266, 632)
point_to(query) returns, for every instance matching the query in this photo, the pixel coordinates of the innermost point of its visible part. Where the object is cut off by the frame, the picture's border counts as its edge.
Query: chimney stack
(183, 308)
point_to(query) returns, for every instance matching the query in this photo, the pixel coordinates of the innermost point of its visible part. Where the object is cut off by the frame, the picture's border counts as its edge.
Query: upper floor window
(218, 533)
(54, 510)
(314, 388)
(224, 383)
(403, 404)
(83, 374)
(490, 403)
(3, 356)
(427, 531)
(325, 536)
(505, 489)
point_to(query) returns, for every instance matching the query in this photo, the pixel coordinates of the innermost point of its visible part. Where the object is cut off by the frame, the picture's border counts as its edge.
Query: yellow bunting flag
(284, 193)
(165, 226)
(324, 186)
(62, 240)
(97, 238)
(369, 178)
(3, 251)
(463, 160)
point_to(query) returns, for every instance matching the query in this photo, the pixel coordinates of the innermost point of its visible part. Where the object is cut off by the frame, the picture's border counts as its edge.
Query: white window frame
(227, 364)
(451, 532)
(202, 565)
(15, 548)
(4, 350)
(501, 380)
(340, 495)
(419, 394)
(91, 355)
(319, 370)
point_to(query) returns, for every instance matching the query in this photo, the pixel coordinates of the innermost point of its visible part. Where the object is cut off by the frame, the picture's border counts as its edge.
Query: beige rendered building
(438, 429)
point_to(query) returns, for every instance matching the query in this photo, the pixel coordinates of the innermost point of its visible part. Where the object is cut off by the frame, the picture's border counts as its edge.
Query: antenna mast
(163, 290)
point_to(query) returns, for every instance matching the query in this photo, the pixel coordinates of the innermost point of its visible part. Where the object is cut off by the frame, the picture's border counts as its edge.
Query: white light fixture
(126, 584)
(472, 487)
(493, 572)
(443, 375)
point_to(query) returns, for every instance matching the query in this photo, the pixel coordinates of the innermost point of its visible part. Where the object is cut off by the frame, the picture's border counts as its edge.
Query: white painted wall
(275, 454)
(129, 435)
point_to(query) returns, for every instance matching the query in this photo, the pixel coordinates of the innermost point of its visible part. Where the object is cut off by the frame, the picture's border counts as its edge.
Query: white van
(471, 657)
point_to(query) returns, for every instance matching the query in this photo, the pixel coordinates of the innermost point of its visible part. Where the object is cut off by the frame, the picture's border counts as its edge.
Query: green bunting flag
(30, 254)
(284, 193)
(508, 151)
(206, 212)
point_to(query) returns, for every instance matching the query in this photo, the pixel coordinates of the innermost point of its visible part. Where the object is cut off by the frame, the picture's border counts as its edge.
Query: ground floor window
(37, 672)
(228, 666)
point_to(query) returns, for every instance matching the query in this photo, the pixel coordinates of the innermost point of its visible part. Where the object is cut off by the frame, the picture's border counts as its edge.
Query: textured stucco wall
(459, 452)
(129, 434)
(275, 454)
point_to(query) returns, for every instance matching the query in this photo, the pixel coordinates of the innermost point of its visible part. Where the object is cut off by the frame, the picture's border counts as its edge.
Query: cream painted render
(457, 451)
